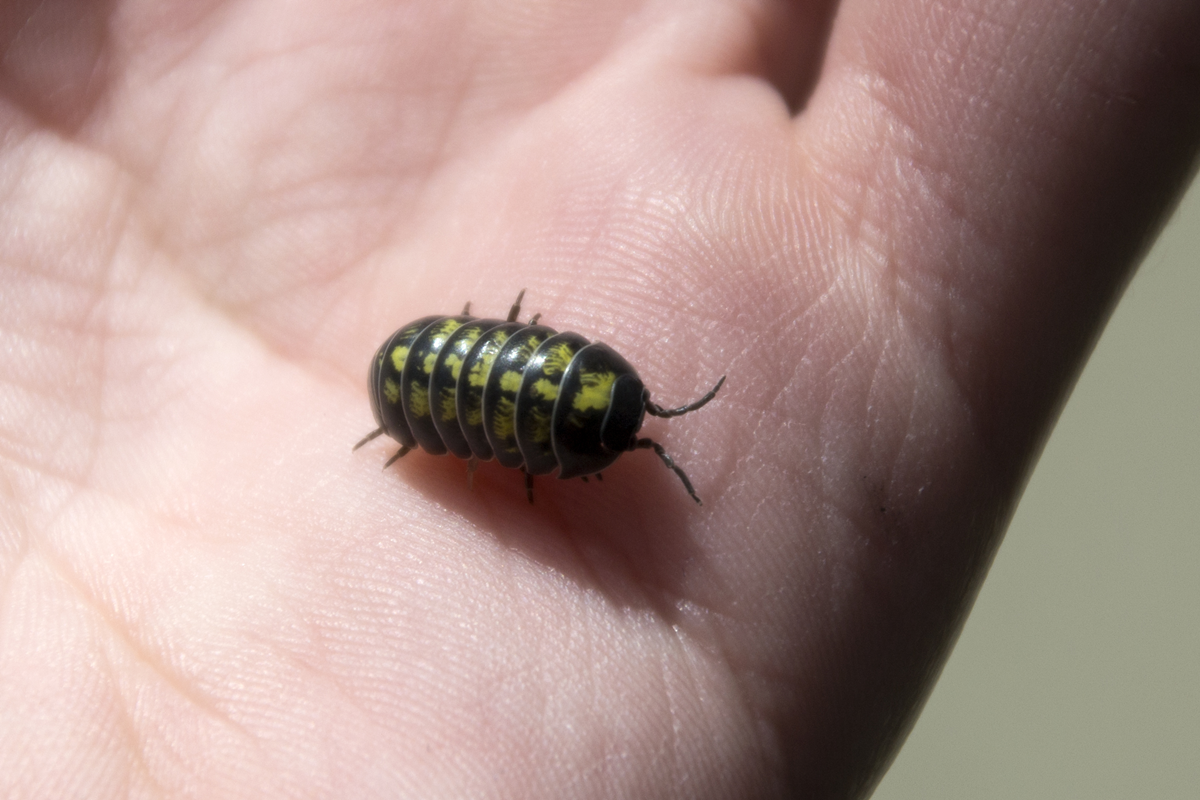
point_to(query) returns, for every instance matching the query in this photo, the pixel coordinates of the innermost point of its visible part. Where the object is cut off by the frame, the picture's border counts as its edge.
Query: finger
(788, 45)
(1016, 154)
(55, 67)
(995, 169)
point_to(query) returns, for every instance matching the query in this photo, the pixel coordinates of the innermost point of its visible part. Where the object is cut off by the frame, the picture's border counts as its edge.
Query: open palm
(895, 226)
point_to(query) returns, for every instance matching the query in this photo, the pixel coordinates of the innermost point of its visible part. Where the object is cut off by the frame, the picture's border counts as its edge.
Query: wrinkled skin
(897, 226)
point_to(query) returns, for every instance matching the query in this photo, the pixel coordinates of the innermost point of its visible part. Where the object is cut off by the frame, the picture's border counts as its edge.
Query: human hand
(214, 212)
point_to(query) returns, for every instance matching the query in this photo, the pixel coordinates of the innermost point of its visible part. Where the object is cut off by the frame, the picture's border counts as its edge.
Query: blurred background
(1078, 672)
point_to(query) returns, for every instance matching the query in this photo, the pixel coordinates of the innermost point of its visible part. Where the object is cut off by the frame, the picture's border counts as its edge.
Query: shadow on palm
(626, 536)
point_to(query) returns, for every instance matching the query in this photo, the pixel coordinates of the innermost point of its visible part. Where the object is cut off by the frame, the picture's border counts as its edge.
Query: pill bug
(530, 397)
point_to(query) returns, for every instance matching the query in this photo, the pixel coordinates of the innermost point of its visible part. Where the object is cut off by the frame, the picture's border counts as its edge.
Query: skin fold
(897, 226)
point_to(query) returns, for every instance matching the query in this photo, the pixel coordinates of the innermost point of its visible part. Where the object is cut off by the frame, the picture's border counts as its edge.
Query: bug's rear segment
(386, 378)
(530, 397)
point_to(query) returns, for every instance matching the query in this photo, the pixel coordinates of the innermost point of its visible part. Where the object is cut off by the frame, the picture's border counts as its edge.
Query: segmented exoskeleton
(522, 393)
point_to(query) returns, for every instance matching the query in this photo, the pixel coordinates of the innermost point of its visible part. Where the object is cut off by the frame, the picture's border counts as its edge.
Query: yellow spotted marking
(436, 340)
(455, 364)
(478, 375)
(419, 400)
(539, 423)
(445, 329)
(558, 358)
(391, 391)
(447, 406)
(454, 360)
(475, 416)
(479, 372)
(510, 381)
(399, 356)
(545, 389)
(595, 392)
(506, 412)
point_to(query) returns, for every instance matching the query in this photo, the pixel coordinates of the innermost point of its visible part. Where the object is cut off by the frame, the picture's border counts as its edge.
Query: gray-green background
(1078, 672)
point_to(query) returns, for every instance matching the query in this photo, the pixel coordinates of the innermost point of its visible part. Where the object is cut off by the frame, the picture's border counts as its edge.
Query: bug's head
(599, 410)
(626, 411)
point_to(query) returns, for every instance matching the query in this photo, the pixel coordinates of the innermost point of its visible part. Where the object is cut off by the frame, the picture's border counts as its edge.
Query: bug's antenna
(516, 308)
(659, 411)
(367, 438)
(647, 444)
(467, 308)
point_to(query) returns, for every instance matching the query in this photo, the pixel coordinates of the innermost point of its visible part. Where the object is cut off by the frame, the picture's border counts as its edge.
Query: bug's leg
(534, 319)
(647, 444)
(472, 465)
(583, 478)
(366, 439)
(516, 308)
(467, 308)
(600, 476)
(399, 454)
(528, 486)
(659, 411)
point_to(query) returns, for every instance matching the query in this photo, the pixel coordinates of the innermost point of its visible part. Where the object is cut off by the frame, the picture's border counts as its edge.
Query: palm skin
(214, 212)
